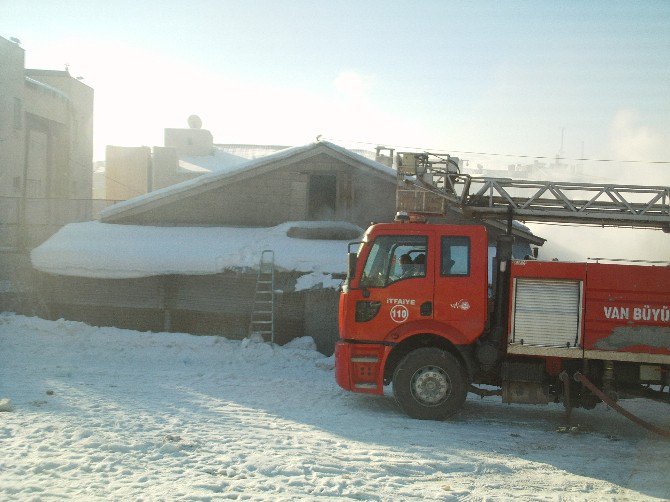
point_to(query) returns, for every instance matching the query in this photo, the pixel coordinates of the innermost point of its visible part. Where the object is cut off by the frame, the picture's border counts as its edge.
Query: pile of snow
(111, 251)
(105, 413)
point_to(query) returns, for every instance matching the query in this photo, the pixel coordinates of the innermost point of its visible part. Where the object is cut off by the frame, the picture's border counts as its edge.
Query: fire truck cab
(414, 286)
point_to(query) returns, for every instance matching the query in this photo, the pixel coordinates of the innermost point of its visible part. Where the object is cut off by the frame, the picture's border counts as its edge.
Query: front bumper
(359, 367)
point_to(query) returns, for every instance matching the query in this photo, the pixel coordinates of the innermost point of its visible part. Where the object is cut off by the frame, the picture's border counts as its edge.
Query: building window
(18, 113)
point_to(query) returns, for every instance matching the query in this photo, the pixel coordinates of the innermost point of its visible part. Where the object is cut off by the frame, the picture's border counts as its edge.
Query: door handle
(426, 309)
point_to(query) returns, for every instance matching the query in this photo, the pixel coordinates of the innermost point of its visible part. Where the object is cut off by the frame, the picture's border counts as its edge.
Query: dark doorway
(321, 197)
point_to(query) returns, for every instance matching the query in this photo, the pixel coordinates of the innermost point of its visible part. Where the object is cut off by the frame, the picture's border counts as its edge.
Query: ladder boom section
(606, 204)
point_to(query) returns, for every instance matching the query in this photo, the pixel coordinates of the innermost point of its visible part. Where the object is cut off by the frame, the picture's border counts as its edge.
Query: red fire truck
(417, 310)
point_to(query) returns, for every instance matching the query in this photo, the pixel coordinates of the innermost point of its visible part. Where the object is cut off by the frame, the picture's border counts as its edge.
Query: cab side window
(455, 256)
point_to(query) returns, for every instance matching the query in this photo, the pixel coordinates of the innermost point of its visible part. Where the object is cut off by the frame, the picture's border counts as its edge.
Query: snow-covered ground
(105, 413)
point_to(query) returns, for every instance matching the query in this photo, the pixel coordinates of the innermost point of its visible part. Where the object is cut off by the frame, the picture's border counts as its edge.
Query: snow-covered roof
(219, 161)
(250, 151)
(111, 251)
(194, 185)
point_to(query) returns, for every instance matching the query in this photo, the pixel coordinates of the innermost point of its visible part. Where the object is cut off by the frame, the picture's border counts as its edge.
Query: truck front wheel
(429, 384)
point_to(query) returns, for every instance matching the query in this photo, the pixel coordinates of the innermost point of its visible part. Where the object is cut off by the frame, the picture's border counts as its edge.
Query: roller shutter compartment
(547, 312)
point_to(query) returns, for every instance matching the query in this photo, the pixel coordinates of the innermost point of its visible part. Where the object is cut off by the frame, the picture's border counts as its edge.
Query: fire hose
(610, 402)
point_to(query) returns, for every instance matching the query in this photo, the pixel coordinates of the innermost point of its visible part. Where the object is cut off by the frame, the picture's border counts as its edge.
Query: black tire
(429, 384)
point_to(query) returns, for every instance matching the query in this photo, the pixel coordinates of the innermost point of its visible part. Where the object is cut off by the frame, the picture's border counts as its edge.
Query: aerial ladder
(432, 184)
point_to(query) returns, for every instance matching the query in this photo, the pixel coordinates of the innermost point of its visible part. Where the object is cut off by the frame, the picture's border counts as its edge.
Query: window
(455, 258)
(394, 258)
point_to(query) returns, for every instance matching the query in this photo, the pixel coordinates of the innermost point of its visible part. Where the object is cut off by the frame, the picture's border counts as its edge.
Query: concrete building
(319, 181)
(46, 149)
(127, 172)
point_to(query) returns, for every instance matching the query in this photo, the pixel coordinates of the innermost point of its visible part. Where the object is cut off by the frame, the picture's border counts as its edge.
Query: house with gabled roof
(318, 181)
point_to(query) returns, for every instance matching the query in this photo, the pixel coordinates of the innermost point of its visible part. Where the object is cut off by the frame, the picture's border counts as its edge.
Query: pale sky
(499, 77)
(469, 76)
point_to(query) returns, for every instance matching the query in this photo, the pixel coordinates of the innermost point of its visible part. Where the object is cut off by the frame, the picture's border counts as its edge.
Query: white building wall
(11, 118)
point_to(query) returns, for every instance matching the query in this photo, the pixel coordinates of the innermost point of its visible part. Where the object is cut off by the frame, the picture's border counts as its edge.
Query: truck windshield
(393, 258)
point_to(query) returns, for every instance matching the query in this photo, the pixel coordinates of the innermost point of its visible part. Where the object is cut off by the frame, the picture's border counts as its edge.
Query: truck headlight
(366, 311)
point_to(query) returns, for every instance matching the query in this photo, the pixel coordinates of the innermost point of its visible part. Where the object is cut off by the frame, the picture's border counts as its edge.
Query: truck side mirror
(351, 270)
(352, 258)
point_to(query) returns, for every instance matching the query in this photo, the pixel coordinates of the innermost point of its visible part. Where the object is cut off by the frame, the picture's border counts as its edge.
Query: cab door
(396, 285)
(461, 288)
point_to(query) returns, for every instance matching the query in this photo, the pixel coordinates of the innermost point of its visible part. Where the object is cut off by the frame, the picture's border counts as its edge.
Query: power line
(494, 154)
(581, 225)
(123, 185)
(656, 262)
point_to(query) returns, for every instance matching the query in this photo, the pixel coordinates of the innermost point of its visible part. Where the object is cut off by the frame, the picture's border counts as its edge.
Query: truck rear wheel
(429, 384)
